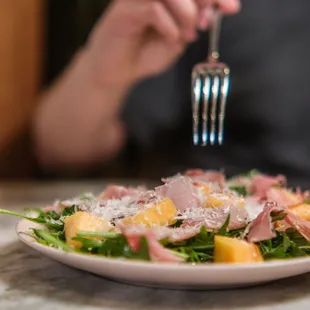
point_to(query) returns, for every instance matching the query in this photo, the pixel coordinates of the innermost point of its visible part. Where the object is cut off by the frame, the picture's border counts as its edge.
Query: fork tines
(209, 90)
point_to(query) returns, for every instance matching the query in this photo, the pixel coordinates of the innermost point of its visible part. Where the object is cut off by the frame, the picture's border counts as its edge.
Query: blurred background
(37, 41)
(267, 47)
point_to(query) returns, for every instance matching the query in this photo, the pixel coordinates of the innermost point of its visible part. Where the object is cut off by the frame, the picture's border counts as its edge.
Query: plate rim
(172, 267)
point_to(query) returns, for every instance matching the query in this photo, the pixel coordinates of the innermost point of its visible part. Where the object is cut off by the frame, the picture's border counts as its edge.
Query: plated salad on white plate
(198, 217)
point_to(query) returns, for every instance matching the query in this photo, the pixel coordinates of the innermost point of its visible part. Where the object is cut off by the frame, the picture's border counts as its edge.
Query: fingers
(185, 13)
(228, 6)
(206, 10)
(173, 19)
(205, 18)
(134, 17)
(156, 13)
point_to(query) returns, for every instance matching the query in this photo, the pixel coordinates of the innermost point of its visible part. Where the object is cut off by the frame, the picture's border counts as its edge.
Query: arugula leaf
(118, 247)
(88, 245)
(240, 189)
(252, 173)
(224, 228)
(104, 235)
(198, 248)
(143, 252)
(277, 216)
(297, 251)
(49, 239)
(177, 224)
(288, 244)
(307, 201)
(69, 211)
(51, 219)
(38, 219)
(48, 219)
(112, 245)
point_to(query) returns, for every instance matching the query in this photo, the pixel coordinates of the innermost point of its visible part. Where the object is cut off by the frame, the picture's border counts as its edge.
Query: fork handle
(214, 34)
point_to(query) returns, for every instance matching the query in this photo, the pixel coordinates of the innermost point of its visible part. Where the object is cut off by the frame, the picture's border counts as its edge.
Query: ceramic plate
(171, 276)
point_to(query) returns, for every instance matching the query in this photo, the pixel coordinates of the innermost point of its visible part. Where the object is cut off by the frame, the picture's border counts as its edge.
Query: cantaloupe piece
(302, 210)
(232, 250)
(218, 200)
(83, 221)
(162, 213)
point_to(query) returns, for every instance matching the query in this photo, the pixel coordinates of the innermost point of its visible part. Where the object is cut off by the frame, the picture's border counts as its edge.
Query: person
(127, 91)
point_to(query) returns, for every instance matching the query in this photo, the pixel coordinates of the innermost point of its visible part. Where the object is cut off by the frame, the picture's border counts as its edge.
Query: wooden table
(29, 280)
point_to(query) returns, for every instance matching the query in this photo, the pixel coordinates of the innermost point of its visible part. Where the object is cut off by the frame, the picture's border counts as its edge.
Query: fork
(210, 87)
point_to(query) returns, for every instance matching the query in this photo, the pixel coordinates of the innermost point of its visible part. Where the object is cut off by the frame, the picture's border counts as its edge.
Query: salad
(194, 217)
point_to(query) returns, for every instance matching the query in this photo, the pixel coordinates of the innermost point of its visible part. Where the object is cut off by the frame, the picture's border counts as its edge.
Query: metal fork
(210, 87)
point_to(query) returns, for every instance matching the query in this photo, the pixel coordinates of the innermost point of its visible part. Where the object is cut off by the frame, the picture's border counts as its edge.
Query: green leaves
(177, 224)
(277, 216)
(112, 245)
(287, 244)
(68, 211)
(224, 229)
(252, 173)
(51, 219)
(103, 235)
(50, 239)
(239, 189)
(196, 249)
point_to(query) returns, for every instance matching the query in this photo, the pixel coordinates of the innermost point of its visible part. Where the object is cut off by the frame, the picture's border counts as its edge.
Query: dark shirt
(267, 47)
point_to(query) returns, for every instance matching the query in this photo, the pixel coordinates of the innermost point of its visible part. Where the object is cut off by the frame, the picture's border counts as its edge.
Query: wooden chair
(21, 50)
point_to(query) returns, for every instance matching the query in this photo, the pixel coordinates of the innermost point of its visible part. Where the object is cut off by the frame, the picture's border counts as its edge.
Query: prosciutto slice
(181, 191)
(115, 192)
(157, 252)
(298, 223)
(262, 183)
(262, 227)
(209, 176)
(214, 218)
(282, 197)
(119, 192)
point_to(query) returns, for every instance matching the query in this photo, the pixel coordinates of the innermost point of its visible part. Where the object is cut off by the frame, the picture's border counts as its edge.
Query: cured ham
(283, 197)
(118, 192)
(171, 216)
(209, 176)
(181, 191)
(262, 227)
(261, 184)
(157, 252)
(296, 222)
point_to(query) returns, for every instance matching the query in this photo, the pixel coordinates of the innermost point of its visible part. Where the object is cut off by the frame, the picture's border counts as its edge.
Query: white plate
(208, 276)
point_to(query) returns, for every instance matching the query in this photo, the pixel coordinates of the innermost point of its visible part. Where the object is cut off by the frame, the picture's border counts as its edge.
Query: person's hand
(136, 39)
